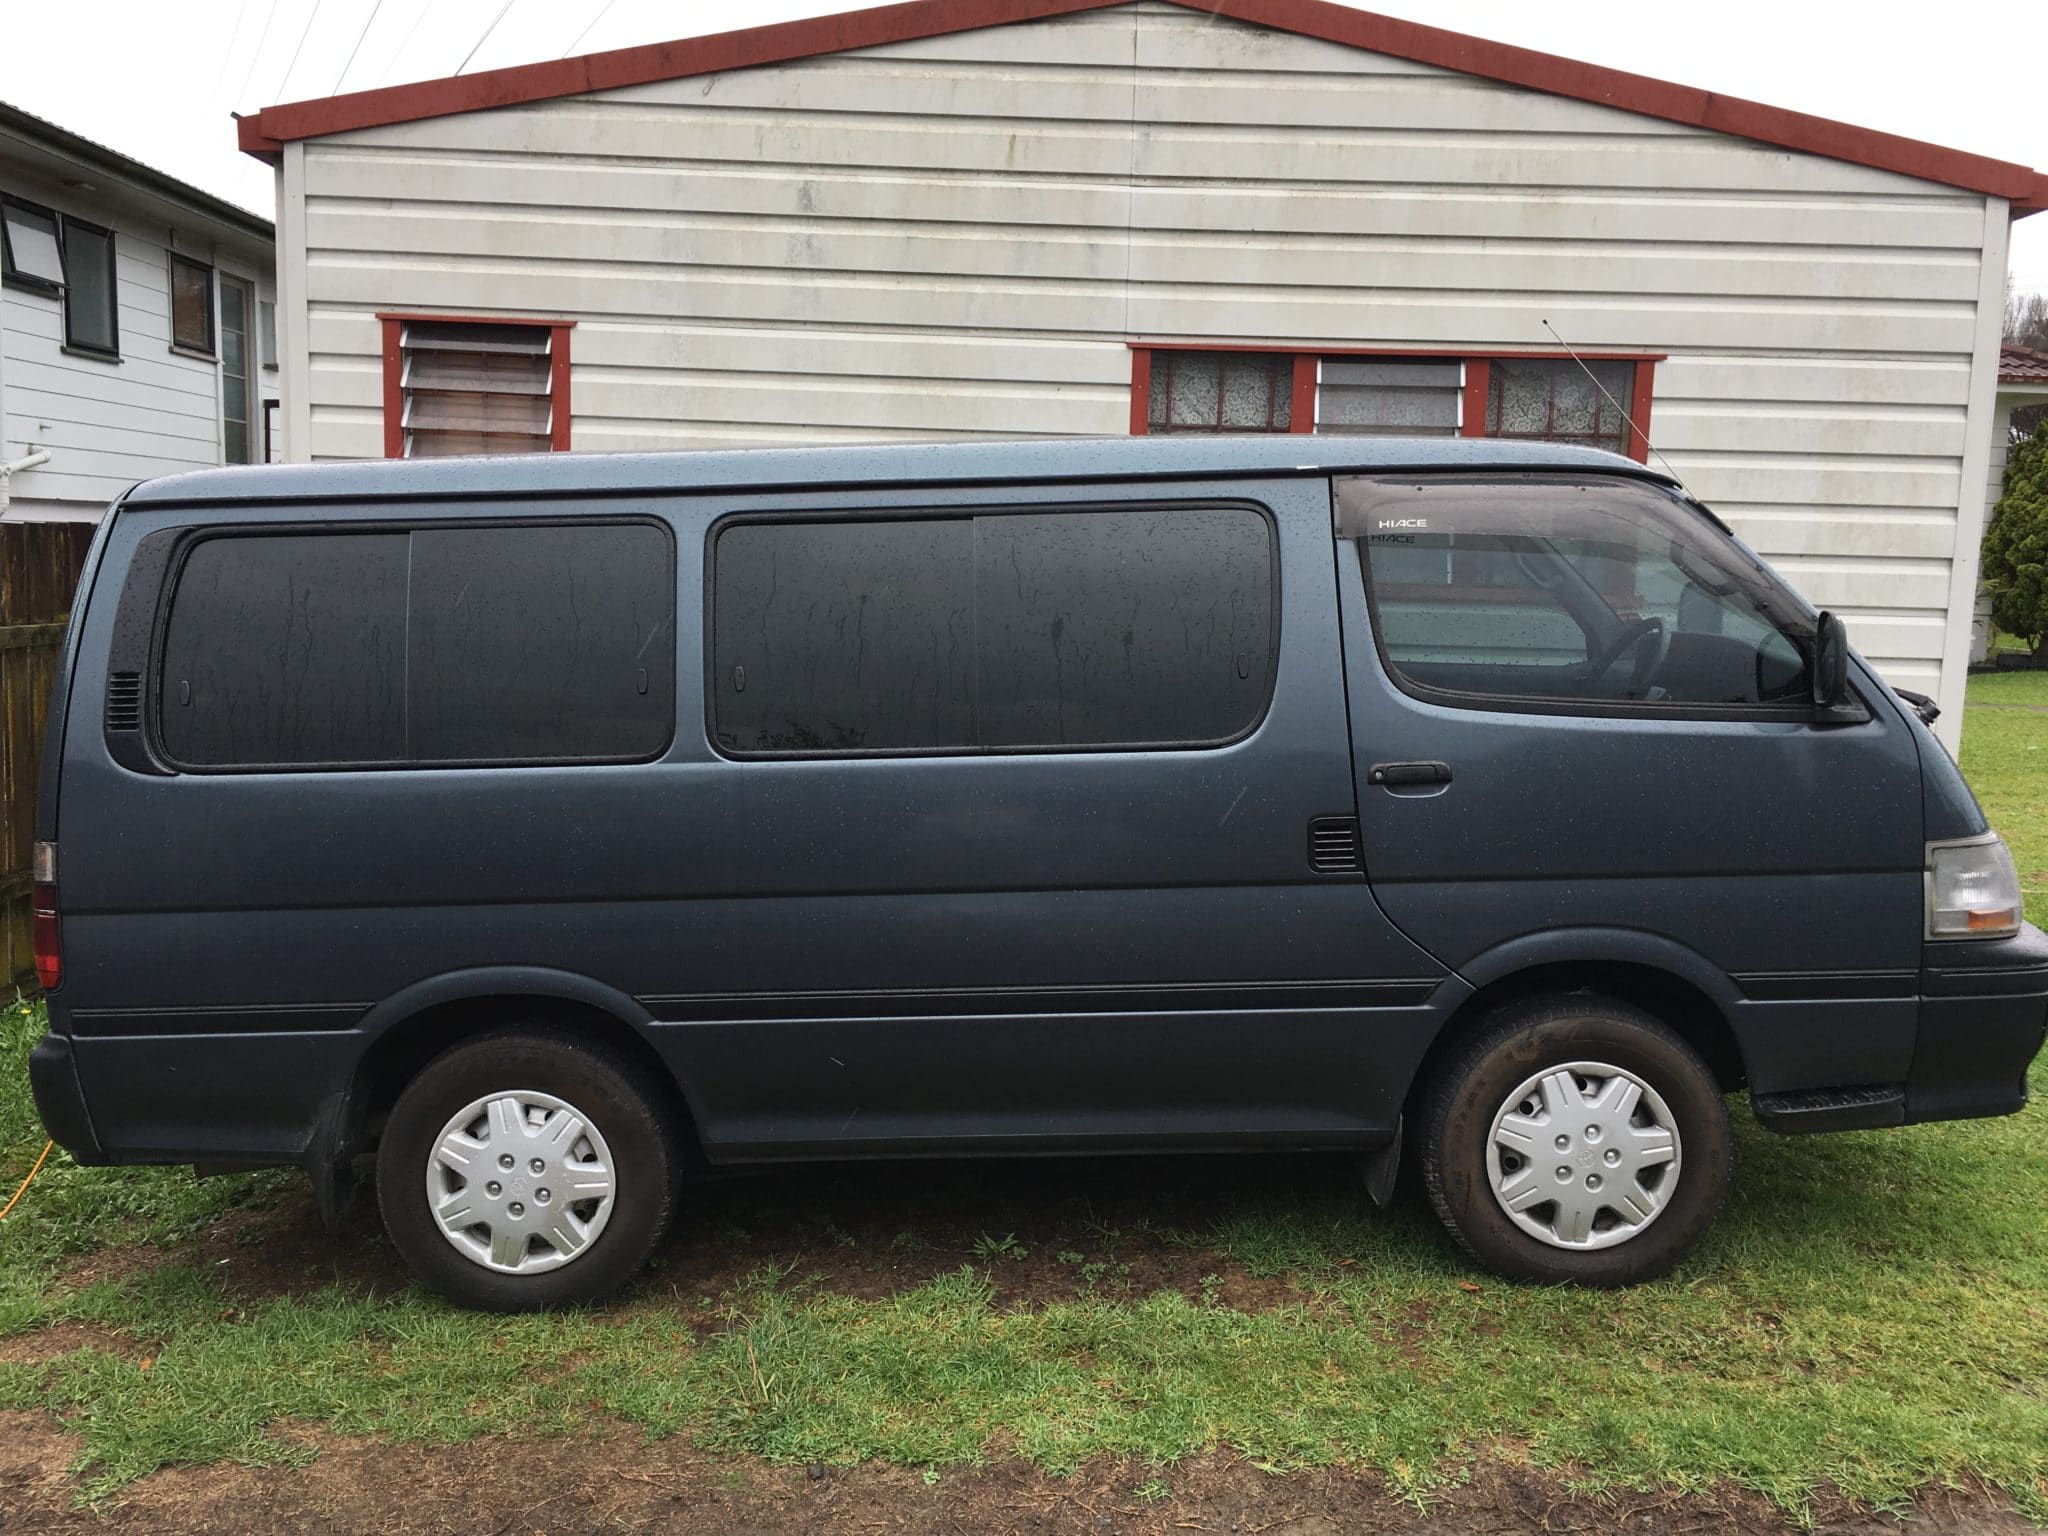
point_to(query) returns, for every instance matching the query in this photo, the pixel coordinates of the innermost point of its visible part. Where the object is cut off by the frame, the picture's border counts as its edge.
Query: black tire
(622, 1100)
(1457, 1115)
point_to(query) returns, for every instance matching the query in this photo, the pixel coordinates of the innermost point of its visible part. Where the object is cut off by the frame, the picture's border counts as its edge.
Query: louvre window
(1374, 398)
(474, 388)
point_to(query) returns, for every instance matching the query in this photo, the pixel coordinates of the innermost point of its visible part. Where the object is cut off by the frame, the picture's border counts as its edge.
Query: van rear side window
(1019, 631)
(489, 644)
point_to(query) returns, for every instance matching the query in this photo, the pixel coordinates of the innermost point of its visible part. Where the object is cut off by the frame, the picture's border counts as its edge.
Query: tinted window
(1078, 629)
(441, 645)
(1607, 592)
(836, 637)
(541, 642)
(287, 649)
(1111, 628)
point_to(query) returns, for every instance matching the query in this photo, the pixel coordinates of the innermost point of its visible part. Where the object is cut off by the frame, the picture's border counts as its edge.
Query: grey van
(551, 827)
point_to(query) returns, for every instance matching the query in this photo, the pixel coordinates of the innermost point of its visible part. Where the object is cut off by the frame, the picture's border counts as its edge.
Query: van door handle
(1392, 774)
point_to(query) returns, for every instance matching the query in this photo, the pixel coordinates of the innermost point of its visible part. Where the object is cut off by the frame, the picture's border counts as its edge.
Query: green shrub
(2016, 545)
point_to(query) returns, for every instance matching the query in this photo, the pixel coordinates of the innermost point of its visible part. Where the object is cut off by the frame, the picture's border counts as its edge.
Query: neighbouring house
(1029, 217)
(137, 333)
(2022, 382)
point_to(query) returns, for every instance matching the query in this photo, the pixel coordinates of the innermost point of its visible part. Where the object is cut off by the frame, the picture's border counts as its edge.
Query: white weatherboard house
(1027, 217)
(135, 325)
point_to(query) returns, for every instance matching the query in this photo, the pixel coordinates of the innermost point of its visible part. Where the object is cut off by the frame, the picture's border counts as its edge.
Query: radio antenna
(1634, 431)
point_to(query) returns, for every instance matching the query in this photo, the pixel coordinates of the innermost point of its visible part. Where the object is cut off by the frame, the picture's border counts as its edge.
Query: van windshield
(1607, 591)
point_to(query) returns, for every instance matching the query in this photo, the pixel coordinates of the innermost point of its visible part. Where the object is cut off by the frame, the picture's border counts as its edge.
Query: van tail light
(1973, 889)
(49, 945)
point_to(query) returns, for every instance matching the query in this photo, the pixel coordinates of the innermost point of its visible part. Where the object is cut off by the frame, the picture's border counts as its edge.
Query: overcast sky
(157, 80)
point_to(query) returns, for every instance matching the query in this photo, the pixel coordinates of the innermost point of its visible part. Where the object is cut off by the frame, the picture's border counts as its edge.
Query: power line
(304, 33)
(229, 52)
(411, 33)
(589, 26)
(242, 92)
(484, 39)
(331, 90)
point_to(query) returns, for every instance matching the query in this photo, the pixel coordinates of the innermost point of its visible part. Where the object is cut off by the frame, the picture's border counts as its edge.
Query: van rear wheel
(1577, 1140)
(526, 1169)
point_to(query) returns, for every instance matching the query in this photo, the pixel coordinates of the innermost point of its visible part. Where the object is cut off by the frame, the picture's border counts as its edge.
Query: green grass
(1870, 1313)
(2005, 756)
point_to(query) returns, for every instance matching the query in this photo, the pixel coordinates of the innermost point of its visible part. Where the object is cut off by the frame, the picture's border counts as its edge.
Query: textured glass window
(1010, 631)
(481, 645)
(1594, 591)
(1371, 397)
(234, 370)
(1221, 391)
(1554, 400)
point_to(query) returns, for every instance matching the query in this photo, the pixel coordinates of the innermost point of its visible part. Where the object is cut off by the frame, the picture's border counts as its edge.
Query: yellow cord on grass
(10, 1205)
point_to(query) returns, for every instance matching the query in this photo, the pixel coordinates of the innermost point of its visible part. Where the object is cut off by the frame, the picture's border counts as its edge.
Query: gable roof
(265, 133)
(2022, 365)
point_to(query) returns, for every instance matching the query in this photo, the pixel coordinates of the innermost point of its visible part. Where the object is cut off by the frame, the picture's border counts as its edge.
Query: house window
(91, 300)
(266, 331)
(1558, 401)
(236, 303)
(1388, 397)
(191, 306)
(29, 254)
(1366, 393)
(1221, 392)
(474, 386)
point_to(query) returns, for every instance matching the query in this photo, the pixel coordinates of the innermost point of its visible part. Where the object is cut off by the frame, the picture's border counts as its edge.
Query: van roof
(758, 469)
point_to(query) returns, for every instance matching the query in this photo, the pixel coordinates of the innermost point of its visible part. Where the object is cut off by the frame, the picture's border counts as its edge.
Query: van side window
(1148, 627)
(506, 644)
(1603, 592)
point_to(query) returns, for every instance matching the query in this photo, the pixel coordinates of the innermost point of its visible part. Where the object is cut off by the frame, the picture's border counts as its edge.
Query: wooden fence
(39, 565)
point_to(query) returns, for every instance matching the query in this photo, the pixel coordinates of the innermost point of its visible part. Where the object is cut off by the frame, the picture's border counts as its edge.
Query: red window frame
(394, 321)
(1302, 410)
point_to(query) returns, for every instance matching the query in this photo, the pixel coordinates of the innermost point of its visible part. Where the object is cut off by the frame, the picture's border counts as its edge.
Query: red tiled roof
(2022, 365)
(264, 134)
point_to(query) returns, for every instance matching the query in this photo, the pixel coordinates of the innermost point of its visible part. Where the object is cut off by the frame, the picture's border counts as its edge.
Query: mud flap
(1381, 1167)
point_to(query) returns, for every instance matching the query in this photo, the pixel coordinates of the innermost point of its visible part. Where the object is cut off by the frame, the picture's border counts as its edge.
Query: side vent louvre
(124, 701)
(1333, 846)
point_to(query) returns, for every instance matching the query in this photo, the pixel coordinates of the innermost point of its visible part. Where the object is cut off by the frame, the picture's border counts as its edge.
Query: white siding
(959, 236)
(108, 424)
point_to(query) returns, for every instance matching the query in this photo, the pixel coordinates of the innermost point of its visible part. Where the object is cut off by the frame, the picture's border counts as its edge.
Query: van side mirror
(1834, 701)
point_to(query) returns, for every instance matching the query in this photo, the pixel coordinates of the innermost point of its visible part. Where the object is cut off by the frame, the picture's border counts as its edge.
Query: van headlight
(1973, 890)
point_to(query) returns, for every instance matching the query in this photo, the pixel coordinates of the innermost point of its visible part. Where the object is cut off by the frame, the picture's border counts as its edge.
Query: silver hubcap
(1583, 1155)
(520, 1182)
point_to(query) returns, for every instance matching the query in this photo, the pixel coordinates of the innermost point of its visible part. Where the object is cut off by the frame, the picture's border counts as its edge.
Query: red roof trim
(2022, 365)
(265, 133)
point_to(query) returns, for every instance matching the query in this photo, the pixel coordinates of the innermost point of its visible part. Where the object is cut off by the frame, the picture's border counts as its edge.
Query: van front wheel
(527, 1169)
(1578, 1140)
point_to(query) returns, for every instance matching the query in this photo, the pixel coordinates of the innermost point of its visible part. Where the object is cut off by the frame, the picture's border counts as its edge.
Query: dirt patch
(620, 1484)
(45, 1344)
(1043, 1231)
